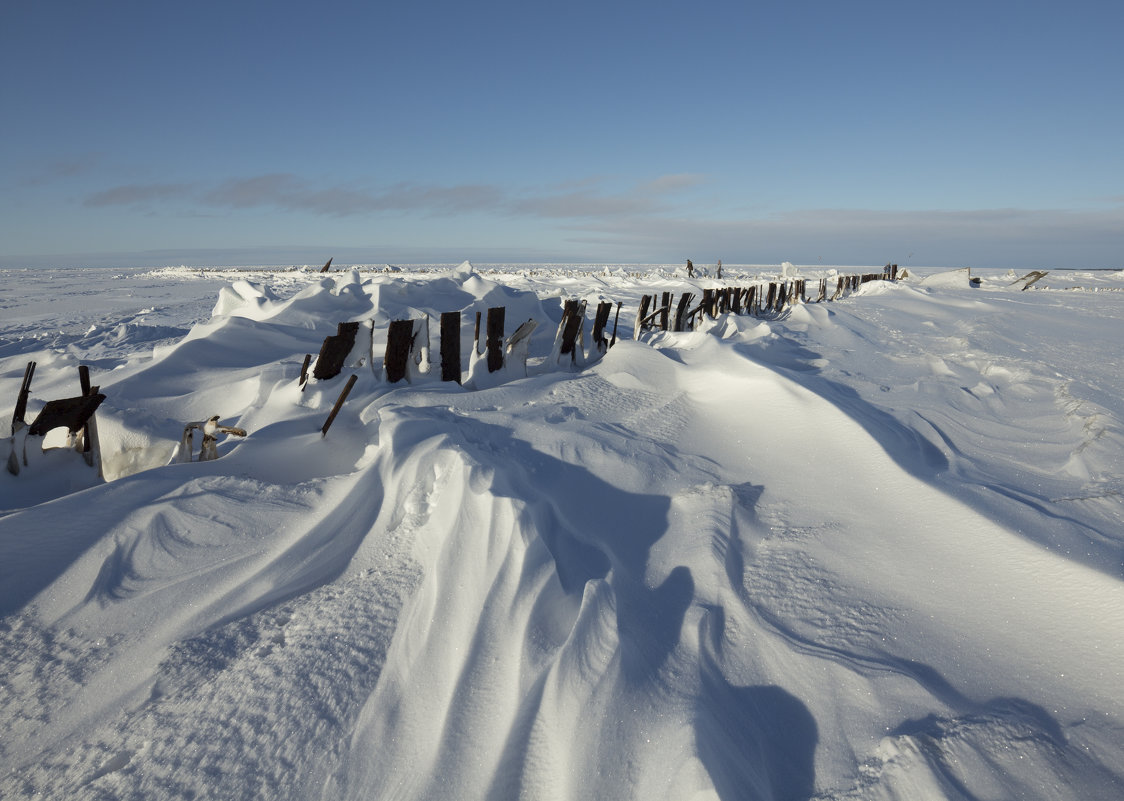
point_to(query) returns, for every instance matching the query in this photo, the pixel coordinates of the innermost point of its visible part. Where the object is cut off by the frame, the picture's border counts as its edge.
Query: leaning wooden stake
(21, 399)
(304, 370)
(339, 403)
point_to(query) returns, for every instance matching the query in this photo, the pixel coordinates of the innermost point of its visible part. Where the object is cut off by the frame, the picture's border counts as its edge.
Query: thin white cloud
(138, 194)
(670, 184)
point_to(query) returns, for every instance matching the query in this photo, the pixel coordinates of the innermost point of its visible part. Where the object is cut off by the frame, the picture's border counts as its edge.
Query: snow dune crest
(799, 558)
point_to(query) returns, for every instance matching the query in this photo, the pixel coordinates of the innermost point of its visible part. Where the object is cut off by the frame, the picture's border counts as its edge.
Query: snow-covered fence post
(616, 320)
(208, 451)
(771, 297)
(570, 330)
(91, 446)
(600, 320)
(18, 423)
(334, 351)
(399, 346)
(665, 311)
(21, 398)
(682, 320)
(339, 403)
(518, 344)
(494, 344)
(641, 316)
(451, 346)
(709, 304)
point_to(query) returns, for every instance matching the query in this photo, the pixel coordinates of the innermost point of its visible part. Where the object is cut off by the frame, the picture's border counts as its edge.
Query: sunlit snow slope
(871, 548)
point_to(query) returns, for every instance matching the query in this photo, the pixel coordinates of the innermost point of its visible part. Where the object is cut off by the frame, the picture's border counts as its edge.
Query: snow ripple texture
(868, 549)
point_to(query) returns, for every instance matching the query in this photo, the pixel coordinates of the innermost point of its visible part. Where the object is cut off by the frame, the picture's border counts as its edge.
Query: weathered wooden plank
(494, 344)
(21, 398)
(573, 317)
(641, 316)
(84, 383)
(616, 320)
(451, 346)
(399, 345)
(324, 269)
(600, 320)
(682, 319)
(334, 351)
(69, 412)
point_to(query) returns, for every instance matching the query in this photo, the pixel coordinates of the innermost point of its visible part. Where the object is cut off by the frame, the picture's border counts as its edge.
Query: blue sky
(237, 132)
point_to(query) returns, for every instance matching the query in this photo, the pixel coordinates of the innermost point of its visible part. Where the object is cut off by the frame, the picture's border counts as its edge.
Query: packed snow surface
(870, 548)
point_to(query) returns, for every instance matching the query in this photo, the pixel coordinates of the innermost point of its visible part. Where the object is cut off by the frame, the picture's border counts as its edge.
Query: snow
(868, 548)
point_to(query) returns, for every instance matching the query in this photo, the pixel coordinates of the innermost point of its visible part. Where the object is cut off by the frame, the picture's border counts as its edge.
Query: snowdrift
(862, 549)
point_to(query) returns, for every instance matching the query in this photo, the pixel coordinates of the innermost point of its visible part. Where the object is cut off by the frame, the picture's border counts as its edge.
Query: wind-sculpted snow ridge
(814, 557)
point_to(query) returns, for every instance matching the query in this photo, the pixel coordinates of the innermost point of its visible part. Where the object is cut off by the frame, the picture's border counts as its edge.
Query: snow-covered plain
(871, 548)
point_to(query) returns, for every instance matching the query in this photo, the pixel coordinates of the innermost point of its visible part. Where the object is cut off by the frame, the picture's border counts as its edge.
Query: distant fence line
(407, 339)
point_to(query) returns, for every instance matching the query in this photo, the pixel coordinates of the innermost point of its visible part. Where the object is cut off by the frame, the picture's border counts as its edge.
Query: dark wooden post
(665, 313)
(681, 311)
(21, 398)
(572, 317)
(642, 315)
(324, 269)
(84, 383)
(334, 351)
(616, 320)
(339, 404)
(494, 344)
(304, 371)
(399, 345)
(451, 346)
(708, 304)
(600, 320)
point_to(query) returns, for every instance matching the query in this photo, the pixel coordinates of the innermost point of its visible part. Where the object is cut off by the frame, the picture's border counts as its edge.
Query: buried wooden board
(69, 413)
